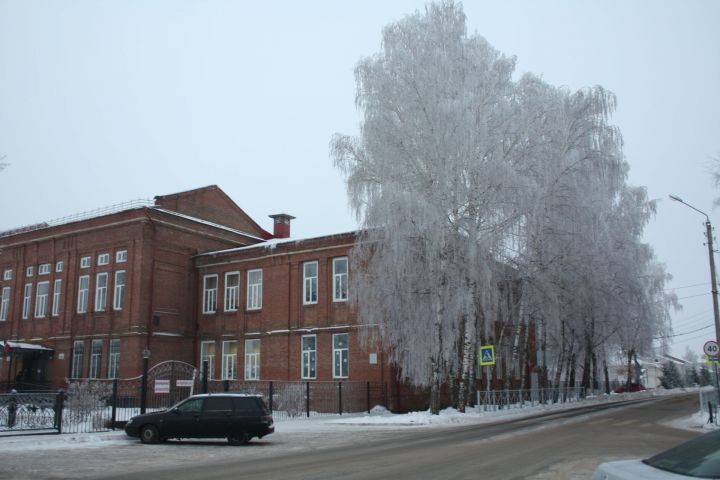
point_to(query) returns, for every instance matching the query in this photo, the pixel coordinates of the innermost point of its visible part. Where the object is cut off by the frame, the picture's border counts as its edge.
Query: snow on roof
(205, 222)
(25, 346)
(272, 244)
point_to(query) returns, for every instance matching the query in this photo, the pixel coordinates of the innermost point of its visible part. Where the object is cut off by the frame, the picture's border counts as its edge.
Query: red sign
(7, 348)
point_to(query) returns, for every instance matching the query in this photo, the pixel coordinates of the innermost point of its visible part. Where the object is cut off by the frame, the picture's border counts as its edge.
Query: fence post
(114, 403)
(226, 385)
(204, 386)
(340, 398)
(368, 396)
(307, 398)
(271, 397)
(59, 405)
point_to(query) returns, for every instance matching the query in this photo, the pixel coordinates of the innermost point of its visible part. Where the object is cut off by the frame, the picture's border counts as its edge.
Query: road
(557, 445)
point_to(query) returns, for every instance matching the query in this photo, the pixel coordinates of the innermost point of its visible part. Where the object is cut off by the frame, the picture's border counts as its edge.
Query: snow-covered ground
(379, 419)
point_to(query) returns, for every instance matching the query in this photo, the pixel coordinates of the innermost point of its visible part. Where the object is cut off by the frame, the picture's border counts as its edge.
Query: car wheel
(149, 434)
(238, 438)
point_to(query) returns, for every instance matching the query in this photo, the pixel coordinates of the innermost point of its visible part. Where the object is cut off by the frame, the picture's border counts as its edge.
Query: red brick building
(189, 277)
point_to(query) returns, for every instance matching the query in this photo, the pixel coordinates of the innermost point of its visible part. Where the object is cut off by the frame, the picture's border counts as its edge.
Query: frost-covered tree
(490, 207)
(430, 180)
(671, 377)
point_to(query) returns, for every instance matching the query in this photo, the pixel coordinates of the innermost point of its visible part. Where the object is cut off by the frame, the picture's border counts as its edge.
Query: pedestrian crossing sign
(487, 355)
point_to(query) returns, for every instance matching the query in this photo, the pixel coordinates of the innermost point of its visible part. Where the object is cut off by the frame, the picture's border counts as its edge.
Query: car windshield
(700, 457)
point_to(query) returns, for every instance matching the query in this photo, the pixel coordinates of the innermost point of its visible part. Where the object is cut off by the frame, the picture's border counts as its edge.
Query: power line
(684, 333)
(693, 296)
(688, 286)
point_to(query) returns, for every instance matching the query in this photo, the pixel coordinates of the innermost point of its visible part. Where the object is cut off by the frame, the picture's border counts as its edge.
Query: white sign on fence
(183, 383)
(162, 386)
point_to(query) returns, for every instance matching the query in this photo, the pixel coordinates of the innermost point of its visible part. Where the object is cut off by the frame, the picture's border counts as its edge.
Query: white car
(697, 458)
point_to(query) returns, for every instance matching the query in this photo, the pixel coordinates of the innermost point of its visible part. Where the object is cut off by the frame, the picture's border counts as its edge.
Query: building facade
(188, 277)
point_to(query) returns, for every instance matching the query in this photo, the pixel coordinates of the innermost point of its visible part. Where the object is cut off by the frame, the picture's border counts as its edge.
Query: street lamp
(713, 283)
(143, 385)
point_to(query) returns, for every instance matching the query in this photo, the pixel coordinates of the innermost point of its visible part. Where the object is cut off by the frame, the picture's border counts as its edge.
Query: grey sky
(103, 102)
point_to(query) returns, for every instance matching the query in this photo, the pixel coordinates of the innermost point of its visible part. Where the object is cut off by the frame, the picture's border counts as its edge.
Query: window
(229, 360)
(83, 288)
(218, 404)
(114, 358)
(27, 298)
(310, 283)
(77, 359)
(309, 356)
(5, 303)
(85, 262)
(59, 266)
(101, 280)
(207, 352)
(232, 291)
(95, 357)
(252, 359)
(119, 293)
(7, 274)
(192, 405)
(121, 256)
(44, 269)
(57, 291)
(210, 293)
(41, 299)
(254, 290)
(340, 279)
(103, 259)
(340, 355)
(29, 272)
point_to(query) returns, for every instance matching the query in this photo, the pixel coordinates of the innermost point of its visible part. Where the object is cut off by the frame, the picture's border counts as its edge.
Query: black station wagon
(237, 417)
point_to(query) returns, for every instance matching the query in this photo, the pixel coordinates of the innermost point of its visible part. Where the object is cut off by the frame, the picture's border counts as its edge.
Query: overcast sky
(103, 102)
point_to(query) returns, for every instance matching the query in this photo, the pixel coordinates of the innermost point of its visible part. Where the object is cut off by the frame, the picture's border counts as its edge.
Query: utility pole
(713, 283)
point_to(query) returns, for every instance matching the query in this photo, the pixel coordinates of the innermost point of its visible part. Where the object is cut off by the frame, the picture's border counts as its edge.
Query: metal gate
(169, 382)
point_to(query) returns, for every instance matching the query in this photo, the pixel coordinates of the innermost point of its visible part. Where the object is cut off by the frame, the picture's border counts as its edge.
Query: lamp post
(713, 282)
(143, 385)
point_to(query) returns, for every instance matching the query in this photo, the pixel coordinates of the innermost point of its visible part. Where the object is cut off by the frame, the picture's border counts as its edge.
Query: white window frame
(252, 359)
(121, 256)
(114, 358)
(209, 304)
(41, 299)
(78, 353)
(59, 266)
(310, 283)
(27, 300)
(254, 290)
(5, 304)
(119, 290)
(95, 359)
(57, 296)
(44, 269)
(101, 292)
(29, 271)
(232, 293)
(7, 274)
(103, 259)
(340, 280)
(210, 356)
(85, 261)
(308, 360)
(229, 360)
(341, 356)
(83, 293)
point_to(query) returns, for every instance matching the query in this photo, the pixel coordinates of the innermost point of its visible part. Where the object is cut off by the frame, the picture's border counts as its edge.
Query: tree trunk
(630, 354)
(468, 357)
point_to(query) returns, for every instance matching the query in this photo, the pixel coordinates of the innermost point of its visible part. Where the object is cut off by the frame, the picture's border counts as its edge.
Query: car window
(218, 404)
(247, 405)
(192, 405)
(700, 457)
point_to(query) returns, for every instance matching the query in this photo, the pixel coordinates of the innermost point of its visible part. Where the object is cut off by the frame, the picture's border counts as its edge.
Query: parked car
(237, 417)
(634, 387)
(697, 458)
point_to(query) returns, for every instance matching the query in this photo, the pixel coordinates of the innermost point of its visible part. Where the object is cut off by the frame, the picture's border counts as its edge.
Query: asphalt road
(563, 445)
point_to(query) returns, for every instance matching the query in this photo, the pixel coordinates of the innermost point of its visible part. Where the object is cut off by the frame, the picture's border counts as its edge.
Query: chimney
(281, 225)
